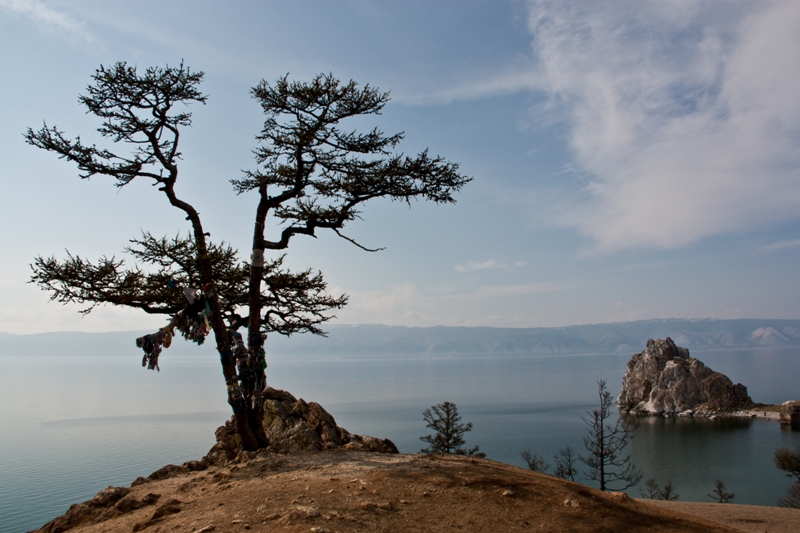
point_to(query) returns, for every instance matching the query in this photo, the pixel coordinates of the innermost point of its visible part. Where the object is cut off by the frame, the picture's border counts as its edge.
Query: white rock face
(664, 380)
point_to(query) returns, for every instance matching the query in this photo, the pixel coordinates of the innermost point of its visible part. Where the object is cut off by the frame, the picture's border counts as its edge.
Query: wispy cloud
(472, 266)
(683, 114)
(491, 264)
(48, 18)
(780, 245)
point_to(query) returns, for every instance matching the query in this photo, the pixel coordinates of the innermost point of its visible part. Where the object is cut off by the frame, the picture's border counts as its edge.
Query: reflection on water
(72, 426)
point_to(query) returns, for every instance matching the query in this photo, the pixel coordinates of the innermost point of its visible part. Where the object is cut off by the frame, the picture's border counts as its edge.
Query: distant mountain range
(378, 340)
(620, 337)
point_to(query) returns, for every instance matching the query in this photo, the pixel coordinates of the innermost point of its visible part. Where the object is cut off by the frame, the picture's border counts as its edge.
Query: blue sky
(631, 159)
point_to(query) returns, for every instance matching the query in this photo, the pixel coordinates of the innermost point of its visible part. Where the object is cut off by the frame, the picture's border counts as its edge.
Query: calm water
(70, 426)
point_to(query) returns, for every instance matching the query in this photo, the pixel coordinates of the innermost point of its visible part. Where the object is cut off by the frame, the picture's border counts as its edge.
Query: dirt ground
(347, 491)
(751, 518)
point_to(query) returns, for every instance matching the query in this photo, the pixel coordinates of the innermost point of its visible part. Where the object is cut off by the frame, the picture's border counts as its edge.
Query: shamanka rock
(664, 380)
(790, 413)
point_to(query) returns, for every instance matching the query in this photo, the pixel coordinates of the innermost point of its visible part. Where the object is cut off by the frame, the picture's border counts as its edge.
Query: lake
(75, 422)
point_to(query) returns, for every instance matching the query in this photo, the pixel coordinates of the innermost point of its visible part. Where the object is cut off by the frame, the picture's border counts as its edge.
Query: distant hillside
(378, 340)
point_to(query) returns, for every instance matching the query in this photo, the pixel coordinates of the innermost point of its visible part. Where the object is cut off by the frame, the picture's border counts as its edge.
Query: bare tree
(792, 499)
(605, 444)
(652, 491)
(444, 419)
(312, 176)
(535, 461)
(788, 461)
(565, 464)
(720, 493)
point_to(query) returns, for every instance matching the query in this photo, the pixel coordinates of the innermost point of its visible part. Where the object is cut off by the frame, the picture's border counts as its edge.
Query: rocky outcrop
(790, 413)
(107, 504)
(664, 380)
(293, 425)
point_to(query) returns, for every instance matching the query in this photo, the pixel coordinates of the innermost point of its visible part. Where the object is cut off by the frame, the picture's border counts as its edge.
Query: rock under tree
(294, 425)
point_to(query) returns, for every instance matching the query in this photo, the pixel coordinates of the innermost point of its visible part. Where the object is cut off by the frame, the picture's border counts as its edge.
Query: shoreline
(758, 411)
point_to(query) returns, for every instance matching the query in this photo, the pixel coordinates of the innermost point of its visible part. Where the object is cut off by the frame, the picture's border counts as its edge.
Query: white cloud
(683, 116)
(472, 266)
(48, 18)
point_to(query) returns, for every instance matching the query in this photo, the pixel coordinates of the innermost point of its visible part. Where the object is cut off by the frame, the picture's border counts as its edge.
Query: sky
(631, 160)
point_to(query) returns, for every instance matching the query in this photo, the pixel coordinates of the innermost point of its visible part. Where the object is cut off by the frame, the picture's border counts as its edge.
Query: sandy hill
(339, 491)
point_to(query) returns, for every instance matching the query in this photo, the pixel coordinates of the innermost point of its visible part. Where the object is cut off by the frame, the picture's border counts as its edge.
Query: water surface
(70, 426)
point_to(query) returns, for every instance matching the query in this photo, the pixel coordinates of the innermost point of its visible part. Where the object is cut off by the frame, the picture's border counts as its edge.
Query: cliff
(664, 380)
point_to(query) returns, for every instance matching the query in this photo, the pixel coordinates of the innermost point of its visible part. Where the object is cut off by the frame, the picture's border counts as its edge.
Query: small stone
(309, 511)
(620, 497)
(109, 496)
(426, 494)
(508, 493)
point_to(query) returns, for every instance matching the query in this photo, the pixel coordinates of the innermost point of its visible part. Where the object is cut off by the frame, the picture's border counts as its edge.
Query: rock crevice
(664, 380)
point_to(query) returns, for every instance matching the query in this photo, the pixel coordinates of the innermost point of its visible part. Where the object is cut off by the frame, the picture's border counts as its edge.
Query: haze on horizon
(632, 160)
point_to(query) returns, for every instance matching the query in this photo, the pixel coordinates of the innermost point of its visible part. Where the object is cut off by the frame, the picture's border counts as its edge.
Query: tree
(565, 464)
(605, 444)
(444, 419)
(788, 460)
(653, 491)
(535, 461)
(792, 499)
(720, 493)
(317, 176)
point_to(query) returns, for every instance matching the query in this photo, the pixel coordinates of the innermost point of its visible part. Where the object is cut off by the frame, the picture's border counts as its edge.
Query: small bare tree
(605, 444)
(720, 493)
(652, 491)
(565, 464)
(534, 461)
(788, 461)
(444, 419)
